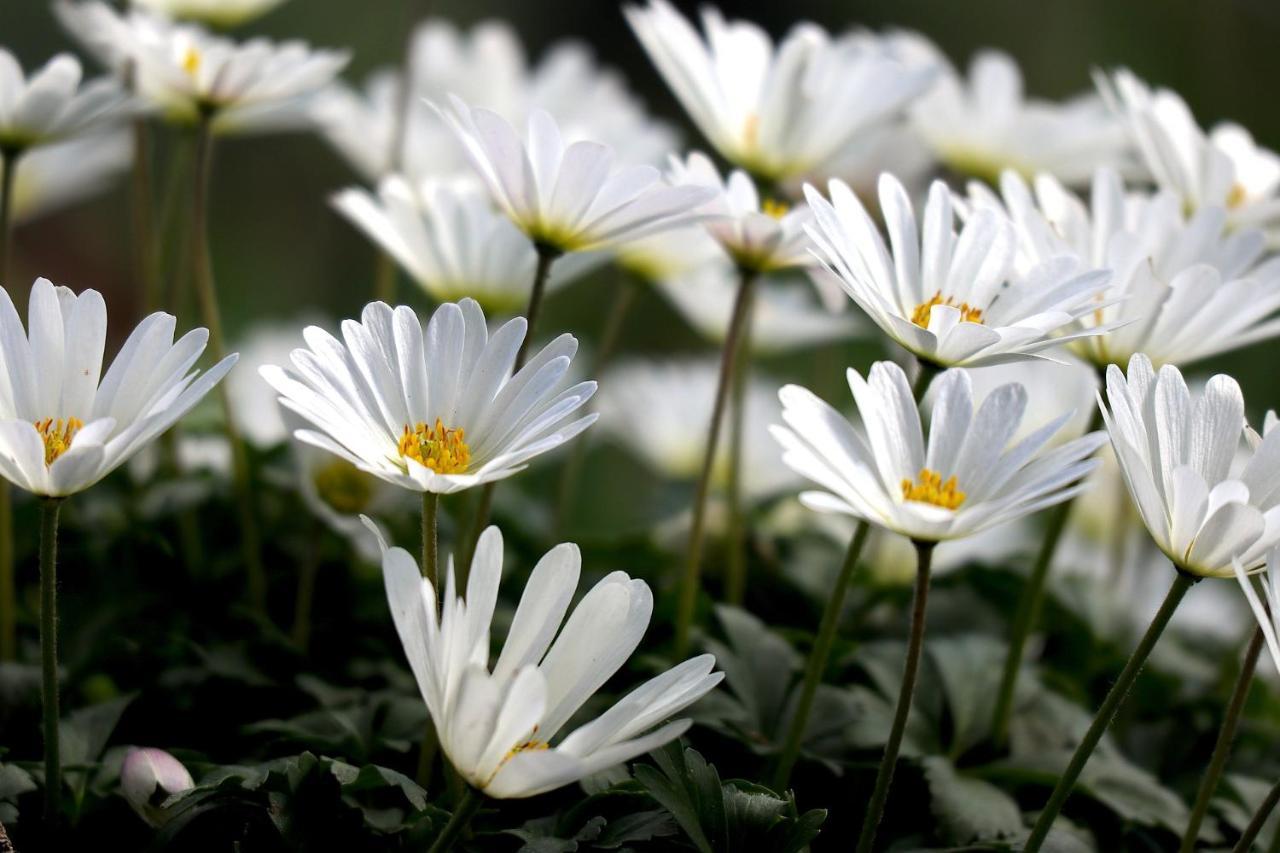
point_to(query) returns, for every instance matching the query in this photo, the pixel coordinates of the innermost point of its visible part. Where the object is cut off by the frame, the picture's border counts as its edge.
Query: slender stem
(915, 644)
(9, 158)
(8, 583)
(385, 276)
(431, 539)
(1259, 820)
(925, 375)
(1028, 612)
(49, 508)
(1226, 736)
(206, 292)
(303, 602)
(1107, 711)
(458, 822)
(818, 657)
(688, 595)
(736, 546)
(142, 208)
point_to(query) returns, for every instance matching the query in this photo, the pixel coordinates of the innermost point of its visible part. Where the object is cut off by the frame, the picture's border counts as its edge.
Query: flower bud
(148, 778)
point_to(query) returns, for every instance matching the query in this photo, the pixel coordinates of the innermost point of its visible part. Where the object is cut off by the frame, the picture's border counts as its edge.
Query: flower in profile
(758, 234)
(500, 726)
(984, 125)
(776, 111)
(951, 299)
(59, 175)
(1266, 609)
(215, 13)
(567, 197)
(1178, 455)
(63, 425)
(451, 241)
(148, 777)
(52, 103)
(434, 412)
(1182, 288)
(970, 474)
(1223, 168)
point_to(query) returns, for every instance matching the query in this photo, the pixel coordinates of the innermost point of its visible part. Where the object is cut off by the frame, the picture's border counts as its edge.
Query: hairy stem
(458, 822)
(49, 509)
(8, 582)
(735, 545)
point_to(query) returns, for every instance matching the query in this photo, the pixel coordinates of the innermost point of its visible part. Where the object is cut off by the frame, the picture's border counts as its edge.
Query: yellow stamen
(773, 207)
(57, 435)
(439, 448)
(968, 313)
(191, 61)
(532, 745)
(1237, 196)
(344, 487)
(930, 489)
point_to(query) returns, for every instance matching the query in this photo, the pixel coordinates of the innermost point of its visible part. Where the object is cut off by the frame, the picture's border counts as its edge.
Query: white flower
(895, 148)
(1268, 614)
(1182, 288)
(500, 727)
(1223, 168)
(759, 235)
(1176, 454)
(648, 407)
(51, 104)
(971, 474)
(55, 176)
(781, 111)
(434, 412)
(217, 13)
(150, 776)
(567, 197)
(984, 125)
(784, 315)
(950, 299)
(669, 254)
(453, 243)
(61, 430)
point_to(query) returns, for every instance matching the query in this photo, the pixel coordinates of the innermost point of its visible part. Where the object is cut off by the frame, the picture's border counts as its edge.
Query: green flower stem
(8, 591)
(458, 822)
(1226, 736)
(430, 571)
(305, 596)
(1028, 613)
(689, 580)
(206, 292)
(736, 546)
(915, 645)
(819, 657)
(926, 373)
(1107, 711)
(1259, 819)
(49, 508)
(143, 210)
(546, 257)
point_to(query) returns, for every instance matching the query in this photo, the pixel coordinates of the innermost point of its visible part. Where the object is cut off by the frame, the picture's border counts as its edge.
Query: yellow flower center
(1238, 196)
(57, 435)
(929, 488)
(439, 448)
(968, 313)
(191, 61)
(344, 487)
(774, 208)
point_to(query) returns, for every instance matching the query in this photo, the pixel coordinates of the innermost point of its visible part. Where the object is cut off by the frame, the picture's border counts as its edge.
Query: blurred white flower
(1182, 288)
(950, 298)
(1177, 453)
(217, 13)
(497, 726)
(971, 475)
(567, 197)
(894, 147)
(453, 243)
(984, 125)
(148, 777)
(55, 176)
(53, 103)
(760, 235)
(435, 411)
(776, 111)
(61, 429)
(668, 254)
(647, 407)
(1223, 168)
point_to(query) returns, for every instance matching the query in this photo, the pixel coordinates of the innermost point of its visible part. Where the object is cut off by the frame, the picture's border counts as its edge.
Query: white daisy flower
(53, 103)
(668, 254)
(63, 425)
(56, 176)
(216, 13)
(950, 298)
(984, 125)
(567, 197)
(758, 234)
(109, 34)
(500, 726)
(1182, 287)
(776, 111)
(452, 242)
(970, 475)
(1176, 454)
(1223, 168)
(434, 412)
(1266, 609)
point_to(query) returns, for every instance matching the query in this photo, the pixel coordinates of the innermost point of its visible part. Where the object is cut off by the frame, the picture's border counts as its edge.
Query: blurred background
(280, 250)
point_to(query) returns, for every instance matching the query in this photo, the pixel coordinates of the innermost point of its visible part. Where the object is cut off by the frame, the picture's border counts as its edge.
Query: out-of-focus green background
(280, 250)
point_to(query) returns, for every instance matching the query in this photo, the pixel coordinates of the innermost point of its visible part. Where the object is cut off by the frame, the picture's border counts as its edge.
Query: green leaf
(969, 809)
(968, 667)
(759, 667)
(637, 826)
